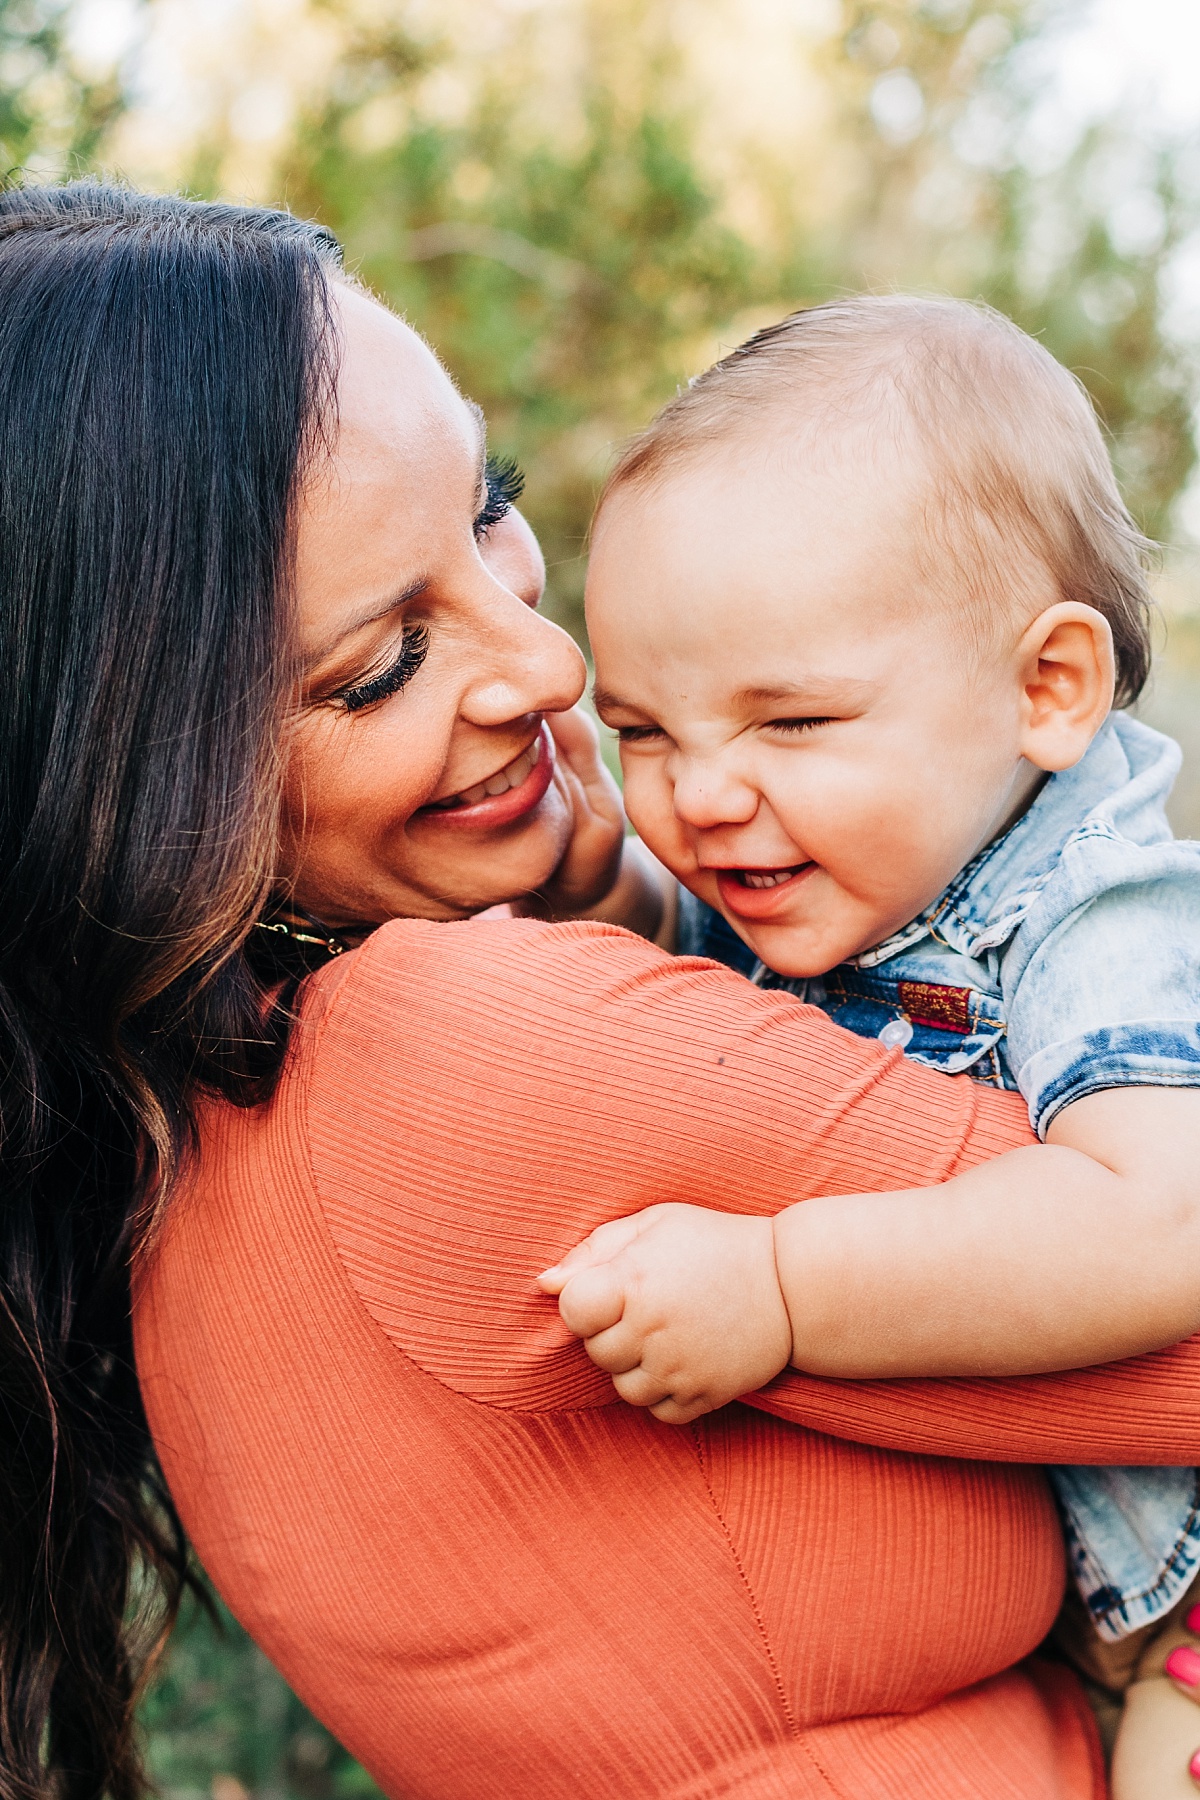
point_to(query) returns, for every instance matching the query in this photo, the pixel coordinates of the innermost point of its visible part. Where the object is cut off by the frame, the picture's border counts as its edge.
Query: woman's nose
(535, 666)
(708, 793)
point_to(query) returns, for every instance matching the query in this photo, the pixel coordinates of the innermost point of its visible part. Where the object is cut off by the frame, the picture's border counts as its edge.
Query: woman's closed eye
(414, 648)
(504, 484)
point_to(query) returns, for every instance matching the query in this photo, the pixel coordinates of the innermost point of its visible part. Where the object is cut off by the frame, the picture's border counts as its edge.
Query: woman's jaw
(453, 855)
(502, 798)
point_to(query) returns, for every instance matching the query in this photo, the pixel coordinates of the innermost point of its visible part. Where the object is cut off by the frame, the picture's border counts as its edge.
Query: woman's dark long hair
(164, 368)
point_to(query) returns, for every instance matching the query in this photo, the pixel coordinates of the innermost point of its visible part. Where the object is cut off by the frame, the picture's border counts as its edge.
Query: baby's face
(810, 741)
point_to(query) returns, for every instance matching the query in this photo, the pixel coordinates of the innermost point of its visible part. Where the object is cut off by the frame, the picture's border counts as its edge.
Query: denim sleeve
(1102, 980)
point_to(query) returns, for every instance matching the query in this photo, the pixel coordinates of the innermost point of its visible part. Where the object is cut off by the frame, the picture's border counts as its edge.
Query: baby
(862, 600)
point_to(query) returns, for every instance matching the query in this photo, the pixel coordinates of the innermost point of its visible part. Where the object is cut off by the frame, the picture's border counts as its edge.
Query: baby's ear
(1067, 674)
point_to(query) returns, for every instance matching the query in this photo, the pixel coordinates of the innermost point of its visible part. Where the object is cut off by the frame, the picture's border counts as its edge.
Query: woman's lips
(475, 809)
(760, 893)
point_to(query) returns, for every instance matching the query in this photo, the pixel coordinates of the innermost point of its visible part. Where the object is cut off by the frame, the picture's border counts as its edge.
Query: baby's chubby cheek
(650, 810)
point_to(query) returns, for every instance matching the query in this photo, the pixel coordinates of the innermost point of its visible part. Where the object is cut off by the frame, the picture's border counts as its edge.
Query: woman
(271, 658)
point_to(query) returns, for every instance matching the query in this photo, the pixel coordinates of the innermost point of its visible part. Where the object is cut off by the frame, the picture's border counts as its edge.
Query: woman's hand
(1156, 1671)
(681, 1305)
(591, 862)
(1179, 1653)
(603, 874)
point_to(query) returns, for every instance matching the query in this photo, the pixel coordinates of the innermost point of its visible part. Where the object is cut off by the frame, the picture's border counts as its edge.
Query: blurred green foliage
(53, 116)
(222, 1725)
(557, 214)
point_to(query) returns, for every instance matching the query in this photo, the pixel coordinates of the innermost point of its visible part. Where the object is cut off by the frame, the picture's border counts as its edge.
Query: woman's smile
(509, 794)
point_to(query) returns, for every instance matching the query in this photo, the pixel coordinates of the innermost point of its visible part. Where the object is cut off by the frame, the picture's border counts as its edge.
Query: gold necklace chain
(300, 931)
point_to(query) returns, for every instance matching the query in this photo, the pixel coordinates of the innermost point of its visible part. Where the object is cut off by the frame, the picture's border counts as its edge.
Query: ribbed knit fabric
(492, 1579)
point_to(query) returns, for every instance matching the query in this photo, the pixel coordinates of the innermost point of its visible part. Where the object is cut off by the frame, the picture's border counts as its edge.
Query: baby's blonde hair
(1012, 446)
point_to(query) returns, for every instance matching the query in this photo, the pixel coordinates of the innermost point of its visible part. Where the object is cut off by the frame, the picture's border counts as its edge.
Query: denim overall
(1064, 959)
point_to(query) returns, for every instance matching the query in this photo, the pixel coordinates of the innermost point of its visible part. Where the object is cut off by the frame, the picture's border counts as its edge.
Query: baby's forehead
(789, 484)
(1016, 497)
(891, 385)
(826, 533)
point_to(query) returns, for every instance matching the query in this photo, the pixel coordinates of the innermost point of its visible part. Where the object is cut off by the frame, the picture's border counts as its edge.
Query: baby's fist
(681, 1305)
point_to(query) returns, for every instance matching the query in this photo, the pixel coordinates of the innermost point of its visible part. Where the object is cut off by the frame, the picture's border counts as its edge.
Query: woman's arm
(482, 1096)
(1146, 1411)
(1055, 1257)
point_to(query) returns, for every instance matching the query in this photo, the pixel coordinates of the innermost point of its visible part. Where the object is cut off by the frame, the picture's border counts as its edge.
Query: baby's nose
(707, 793)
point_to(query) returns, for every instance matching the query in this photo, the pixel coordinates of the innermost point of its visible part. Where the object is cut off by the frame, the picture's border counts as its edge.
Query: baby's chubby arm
(1086, 1250)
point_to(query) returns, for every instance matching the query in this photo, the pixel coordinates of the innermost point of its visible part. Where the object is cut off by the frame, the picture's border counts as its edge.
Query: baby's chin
(812, 932)
(804, 950)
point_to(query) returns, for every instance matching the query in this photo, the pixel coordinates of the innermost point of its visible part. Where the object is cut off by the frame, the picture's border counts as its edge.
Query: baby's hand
(680, 1305)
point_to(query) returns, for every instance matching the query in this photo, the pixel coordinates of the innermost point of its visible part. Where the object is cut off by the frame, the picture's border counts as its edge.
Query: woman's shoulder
(431, 959)
(490, 984)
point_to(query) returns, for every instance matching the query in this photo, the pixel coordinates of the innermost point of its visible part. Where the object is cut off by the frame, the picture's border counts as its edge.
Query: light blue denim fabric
(1064, 959)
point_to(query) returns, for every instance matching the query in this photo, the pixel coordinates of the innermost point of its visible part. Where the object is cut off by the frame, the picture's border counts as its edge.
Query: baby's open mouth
(510, 776)
(761, 893)
(765, 878)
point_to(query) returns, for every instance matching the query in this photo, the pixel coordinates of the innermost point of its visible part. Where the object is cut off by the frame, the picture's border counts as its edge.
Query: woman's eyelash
(413, 650)
(505, 484)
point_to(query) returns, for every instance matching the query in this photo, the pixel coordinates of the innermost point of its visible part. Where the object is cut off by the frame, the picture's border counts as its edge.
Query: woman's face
(410, 785)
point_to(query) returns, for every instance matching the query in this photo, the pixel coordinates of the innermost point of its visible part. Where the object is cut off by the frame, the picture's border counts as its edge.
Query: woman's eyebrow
(415, 587)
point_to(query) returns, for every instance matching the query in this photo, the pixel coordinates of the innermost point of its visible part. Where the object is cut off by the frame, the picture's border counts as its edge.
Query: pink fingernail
(1192, 1622)
(1194, 1767)
(1183, 1665)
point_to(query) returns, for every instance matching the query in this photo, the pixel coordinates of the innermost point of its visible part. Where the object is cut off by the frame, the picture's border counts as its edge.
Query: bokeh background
(580, 202)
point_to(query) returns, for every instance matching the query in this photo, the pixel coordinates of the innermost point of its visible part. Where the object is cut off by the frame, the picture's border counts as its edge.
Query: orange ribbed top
(488, 1576)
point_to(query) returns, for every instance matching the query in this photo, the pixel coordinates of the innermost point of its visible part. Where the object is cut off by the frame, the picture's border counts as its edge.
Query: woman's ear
(1067, 674)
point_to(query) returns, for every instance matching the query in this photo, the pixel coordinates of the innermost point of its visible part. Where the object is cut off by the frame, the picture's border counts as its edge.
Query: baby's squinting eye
(792, 727)
(637, 734)
(504, 485)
